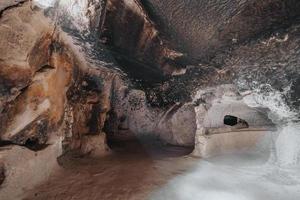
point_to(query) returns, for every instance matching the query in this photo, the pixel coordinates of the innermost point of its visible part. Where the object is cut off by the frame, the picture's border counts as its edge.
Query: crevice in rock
(13, 4)
(34, 145)
(2, 174)
(31, 144)
(45, 68)
(136, 43)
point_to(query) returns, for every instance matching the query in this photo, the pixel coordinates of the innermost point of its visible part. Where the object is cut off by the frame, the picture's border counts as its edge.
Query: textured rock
(131, 112)
(25, 72)
(52, 99)
(7, 4)
(47, 84)
(55, 96)
(213, 137)
(94, 145)
(136, 40)
(271, 63)
(24, 169)
(81, 15)
(203, 27)
(178, 125)
(16, 44)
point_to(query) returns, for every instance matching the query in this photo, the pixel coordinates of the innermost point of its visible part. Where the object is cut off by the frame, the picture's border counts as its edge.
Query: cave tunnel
(149, 99)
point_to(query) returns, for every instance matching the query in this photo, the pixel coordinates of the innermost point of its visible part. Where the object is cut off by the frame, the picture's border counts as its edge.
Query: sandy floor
(131, 172)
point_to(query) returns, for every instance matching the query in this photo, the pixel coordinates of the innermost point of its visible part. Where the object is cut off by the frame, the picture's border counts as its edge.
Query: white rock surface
(24, 169)
(212, 136)
(82, 14)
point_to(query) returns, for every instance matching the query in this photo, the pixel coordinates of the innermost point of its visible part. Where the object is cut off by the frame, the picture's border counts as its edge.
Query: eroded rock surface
(133, 35)
(202, 28)
(212, 136)
(49, 90)
(59, 92)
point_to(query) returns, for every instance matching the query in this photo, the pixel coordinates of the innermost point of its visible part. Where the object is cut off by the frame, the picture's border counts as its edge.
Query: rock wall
(52, 99)
(130, 32)
(131, 114)
(55, 97)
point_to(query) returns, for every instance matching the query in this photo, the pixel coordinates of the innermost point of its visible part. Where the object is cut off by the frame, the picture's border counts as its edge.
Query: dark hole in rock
(235, 121)
(2, 173)
(92, 83)
(34, 145)
(93, 123)
(230, 120)
(5, 143)
(45, 68)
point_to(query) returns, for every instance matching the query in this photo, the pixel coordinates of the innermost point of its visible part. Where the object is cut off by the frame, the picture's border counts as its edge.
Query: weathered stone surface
(94, 145)
(136, 40)
(52, 98)
(24, 169)
(43, 74)
(178, 125)
(20, 31)
(7, 4)
(131, 112)
(271, 63)
(25, 76)
(203, 27)
(213, 137)
(84, 16)
(228, 142)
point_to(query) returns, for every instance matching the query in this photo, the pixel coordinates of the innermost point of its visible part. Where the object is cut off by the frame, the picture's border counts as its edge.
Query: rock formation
(73, 74)
(203, 28)
(52, 98)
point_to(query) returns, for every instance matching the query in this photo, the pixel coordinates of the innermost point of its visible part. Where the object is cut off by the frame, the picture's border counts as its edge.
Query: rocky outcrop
(26, 75)
(130, 32)
(46, 83)
(52, 98)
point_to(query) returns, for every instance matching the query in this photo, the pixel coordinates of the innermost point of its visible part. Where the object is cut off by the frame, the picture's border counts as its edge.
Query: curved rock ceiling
(201, 28)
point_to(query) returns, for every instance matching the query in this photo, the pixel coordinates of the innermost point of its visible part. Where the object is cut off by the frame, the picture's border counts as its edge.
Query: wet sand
(132, 171)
